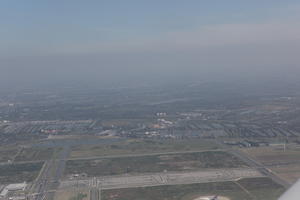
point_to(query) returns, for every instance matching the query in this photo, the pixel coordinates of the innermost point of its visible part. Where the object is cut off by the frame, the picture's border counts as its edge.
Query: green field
(246, 189)
(16, 173)
(154, 163)
(35, 154)
(140, 146)
(7, 152)
(79, 196)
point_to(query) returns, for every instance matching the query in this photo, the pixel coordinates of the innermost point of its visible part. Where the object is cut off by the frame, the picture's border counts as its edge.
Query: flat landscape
(163, 178)
(72, 194)
(17, 173)
(168, 147)
(34, 154)
(8, 152)
(285, 163)
(149, 100)
(141, 146)
(246, 189)
(153, 163)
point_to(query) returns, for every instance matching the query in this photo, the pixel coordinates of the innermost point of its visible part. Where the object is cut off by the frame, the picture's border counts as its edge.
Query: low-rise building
(12, 188)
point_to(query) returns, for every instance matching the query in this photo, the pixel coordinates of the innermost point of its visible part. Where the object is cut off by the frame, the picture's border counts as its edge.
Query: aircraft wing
(293, 193)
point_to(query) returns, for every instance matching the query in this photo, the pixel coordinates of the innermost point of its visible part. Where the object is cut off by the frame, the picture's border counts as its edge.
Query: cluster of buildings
(13, 192)
(26, 130)
(162, 124)
(45, 126)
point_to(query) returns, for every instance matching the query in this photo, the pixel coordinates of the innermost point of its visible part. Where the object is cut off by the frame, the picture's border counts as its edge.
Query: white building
(12, 188)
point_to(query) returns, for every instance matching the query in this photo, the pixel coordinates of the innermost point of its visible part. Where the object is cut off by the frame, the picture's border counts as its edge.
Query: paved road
(95, 191)
(260, 167)
(53, 171)
(48, 179)
(255, 164)
(95, 194)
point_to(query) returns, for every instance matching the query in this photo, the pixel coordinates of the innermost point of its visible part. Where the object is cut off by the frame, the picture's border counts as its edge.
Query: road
(48, 179)
(255, 164)
(260, 167)
(95, 191)
(163, 178)
(95, 194)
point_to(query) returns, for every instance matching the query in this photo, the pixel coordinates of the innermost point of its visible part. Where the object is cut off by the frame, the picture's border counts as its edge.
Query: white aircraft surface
(293, 193)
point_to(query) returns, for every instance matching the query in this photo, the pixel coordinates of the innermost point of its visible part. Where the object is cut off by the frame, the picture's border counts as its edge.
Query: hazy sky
(113, 40)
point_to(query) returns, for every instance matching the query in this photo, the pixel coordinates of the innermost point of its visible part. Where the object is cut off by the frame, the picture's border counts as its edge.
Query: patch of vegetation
(140, 146)
(262, 188)
(15, 173)
(80, 196)
(34, 154)
(154, 163)
(7, 153)
(229, 189)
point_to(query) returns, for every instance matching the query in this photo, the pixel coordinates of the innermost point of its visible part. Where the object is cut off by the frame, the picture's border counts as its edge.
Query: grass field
(16, 173)
(245, 189)
(75, 194)
(139, 146)
(7, 153)
(154, 163)
(34, 154)
(285, 163)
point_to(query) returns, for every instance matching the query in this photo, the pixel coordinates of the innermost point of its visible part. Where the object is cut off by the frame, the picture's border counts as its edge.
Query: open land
(154, 163)
(163, 178)
(248, 189)
(139, 146)
(8, 152)
(180, 143)
(34, 154)
(16, 173)
(72, 194)
(284, 162)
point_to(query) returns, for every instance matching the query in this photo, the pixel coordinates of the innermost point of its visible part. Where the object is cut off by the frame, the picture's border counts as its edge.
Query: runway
(165, 178)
